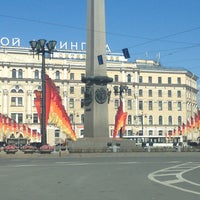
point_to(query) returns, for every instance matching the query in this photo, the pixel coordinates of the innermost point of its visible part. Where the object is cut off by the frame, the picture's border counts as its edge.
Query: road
(111, 176)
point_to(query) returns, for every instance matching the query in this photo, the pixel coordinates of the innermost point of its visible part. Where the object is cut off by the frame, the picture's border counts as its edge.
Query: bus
(156, 141)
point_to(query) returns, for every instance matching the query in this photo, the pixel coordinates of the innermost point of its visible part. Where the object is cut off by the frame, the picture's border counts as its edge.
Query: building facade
(158, 99)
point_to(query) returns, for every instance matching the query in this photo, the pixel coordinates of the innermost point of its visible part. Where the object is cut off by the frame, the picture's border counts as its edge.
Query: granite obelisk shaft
(96, 95)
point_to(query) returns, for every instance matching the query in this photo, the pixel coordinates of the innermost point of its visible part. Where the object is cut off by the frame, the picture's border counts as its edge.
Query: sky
(167, 31)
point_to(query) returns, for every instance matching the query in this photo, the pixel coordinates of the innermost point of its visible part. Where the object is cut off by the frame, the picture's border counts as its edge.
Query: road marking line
(178, 176)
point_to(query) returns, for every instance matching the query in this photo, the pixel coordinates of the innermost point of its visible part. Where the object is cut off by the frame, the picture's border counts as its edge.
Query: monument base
(101, 145)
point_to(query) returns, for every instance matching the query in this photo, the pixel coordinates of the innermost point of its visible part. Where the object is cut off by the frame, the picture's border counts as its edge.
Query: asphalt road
(111, 176)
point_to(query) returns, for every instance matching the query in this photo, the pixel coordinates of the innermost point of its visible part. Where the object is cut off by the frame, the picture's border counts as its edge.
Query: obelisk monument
(96, 92)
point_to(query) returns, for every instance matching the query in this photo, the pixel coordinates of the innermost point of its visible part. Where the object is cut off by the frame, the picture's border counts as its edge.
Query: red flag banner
(120, 120)
(55, 111)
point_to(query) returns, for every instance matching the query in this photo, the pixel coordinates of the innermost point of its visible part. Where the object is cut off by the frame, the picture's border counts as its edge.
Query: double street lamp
(41, 47)
(120, 89)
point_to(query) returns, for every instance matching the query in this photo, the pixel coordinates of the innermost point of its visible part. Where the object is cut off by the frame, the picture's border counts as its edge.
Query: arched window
(170, 120)
(150, 120)
(20, 73)
(160, 119)
(129, 119)
(14, 73)
(128, 78)
(36, 74)
(179, 120)
(57, 75)
(13, 91)
(20, 91)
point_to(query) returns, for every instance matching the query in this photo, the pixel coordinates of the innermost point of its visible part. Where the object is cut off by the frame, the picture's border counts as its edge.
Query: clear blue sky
(146, 27)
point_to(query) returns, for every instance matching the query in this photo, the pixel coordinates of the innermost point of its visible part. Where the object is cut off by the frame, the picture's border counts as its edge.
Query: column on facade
(5, 101)
(123, 80)
(136, 92)
(30, 73)
(29, 105)
(65, 99)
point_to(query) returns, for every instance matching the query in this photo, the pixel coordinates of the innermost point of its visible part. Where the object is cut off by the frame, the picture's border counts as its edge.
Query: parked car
(61, 147)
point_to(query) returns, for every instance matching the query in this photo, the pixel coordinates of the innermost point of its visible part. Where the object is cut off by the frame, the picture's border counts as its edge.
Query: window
(20, 91)
(160, 120)
(140, 93)
(179, 106)
(160, 106)
(180, 120)
(150, 93)
(150, 132)
(160, 93)
(13, 101)
(72, 76)
(20, 103)
(18, 117)
(150, 79)
(150, 105)
(169, 105)
(160, 132)
(13, 91)
(71, 103)
(140, 105)
(71, 90)
(179, 80)
(159, 80)
(169, 80)
(16, 101)
(116, 104)
(150, 120)
(116, 78)
(129, 92)
(58, 89)
(57, 75)
(82, 103)
(71, 116)
(35, 118)
(130, 132)
(36, 74)
(20, 73)
(57, 133)
(129, 104)
(129, 119)
(140, 79)
(82, 75)
(13, 116)
(82, 118)
(82, 90)
(128, 78)
(179, 93)
(169, 93)
(170, 120)
(14, 73)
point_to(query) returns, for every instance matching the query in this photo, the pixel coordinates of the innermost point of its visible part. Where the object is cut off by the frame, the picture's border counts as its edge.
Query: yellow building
(158, 99)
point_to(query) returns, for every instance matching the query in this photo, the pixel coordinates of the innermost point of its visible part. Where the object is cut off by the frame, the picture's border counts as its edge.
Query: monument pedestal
(101, 145)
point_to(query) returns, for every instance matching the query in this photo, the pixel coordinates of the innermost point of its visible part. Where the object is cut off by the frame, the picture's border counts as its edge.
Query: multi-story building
(158, 99)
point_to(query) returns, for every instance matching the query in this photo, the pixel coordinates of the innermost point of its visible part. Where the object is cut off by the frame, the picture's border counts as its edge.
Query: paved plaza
(109, 176)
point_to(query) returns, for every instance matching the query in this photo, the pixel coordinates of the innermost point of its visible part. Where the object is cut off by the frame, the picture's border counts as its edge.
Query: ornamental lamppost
(120, 90)
(38, 47)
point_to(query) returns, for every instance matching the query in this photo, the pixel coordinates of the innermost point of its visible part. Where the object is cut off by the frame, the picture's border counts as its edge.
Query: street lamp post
(38, 47)
(120, 90)
(142, 121)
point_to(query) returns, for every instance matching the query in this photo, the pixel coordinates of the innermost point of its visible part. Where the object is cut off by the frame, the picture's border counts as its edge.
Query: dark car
(60, 147)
